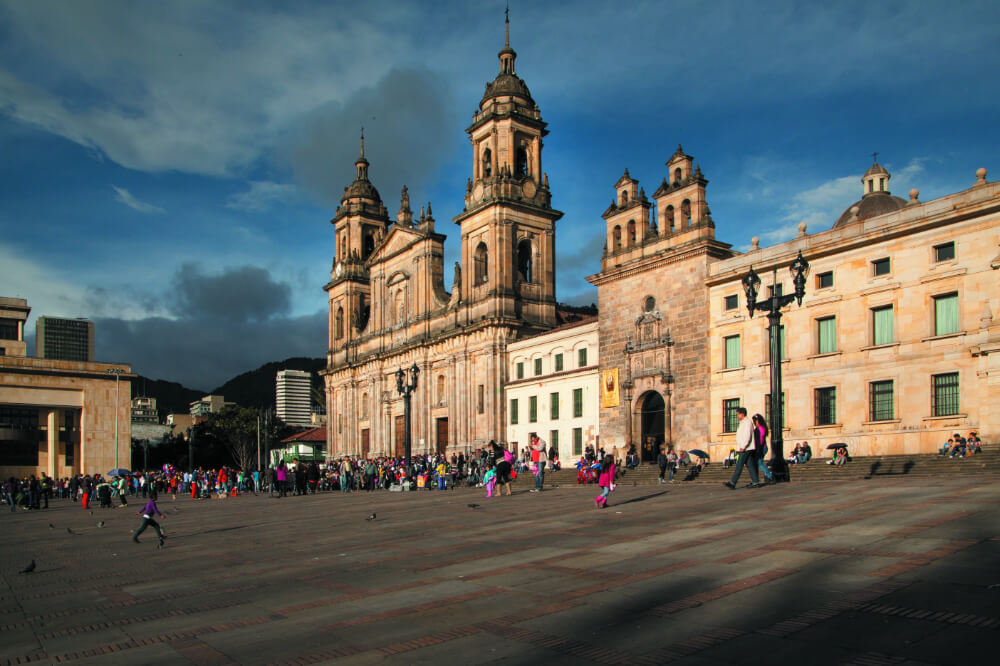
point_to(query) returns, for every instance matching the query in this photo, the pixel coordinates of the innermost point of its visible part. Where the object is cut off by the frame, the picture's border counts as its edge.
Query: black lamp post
(406, 385)
(773, 305)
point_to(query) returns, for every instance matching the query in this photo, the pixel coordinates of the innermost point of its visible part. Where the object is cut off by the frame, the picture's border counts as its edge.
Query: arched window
(480, 263)
(400, 307)
(364, 405)
(631, 232)
(624, 197)
(686, 211)
(669, 215)
(338, 326)
(524, 262)
(650, 304)
(487, 163)
(881, 184)
(677, 176)
(618, 237)
(368, 244)
(521, 167)
(440, 389)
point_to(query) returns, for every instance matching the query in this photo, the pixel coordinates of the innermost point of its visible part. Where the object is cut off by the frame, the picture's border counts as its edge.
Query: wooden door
(442, 435)
(365, 442)
(400, 434)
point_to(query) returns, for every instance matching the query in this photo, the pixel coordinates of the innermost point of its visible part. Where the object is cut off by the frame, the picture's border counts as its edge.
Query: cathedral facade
(390, 308)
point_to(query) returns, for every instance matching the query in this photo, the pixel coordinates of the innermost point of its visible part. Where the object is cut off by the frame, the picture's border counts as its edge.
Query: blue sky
(170, 169)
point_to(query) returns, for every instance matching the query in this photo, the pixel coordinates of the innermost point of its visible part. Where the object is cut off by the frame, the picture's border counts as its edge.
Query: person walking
(148, 512)
(606, 481)
(760, 441)
(540, 457)
(661, 462)
(745, 445)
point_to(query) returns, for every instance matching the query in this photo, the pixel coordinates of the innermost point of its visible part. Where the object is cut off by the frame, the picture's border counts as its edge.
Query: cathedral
(390, 308)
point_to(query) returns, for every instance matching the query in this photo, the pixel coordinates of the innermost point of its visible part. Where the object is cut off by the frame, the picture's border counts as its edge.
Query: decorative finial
(429, 209)
(506, 20)
(914, 194)
(802, 228)
(362, 141)
(980, 176)
(755, 242)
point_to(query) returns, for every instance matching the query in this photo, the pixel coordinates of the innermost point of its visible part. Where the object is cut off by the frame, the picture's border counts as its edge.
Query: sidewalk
(887, 571)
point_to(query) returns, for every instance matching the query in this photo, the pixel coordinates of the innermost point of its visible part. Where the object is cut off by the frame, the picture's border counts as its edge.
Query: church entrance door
(400, 434)
(651, 419)
(366, 442)
(442, 435)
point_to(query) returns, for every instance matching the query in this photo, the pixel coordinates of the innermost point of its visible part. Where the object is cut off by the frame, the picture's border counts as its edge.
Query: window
(881, 267)
(480, 399)
(524, 263)
(577, 403)
(945, 394)
(767, 411)
(824, 280)
(559, 362)
(668, 215)
(631, 232)
(944, 252)
(729, 420)
(649, 304)
(554, 439)
(882, 333)
(339, 328)
(440, 389)
(946, 314)
(481, 264)
(732, 352)
(533, 409)
(618, 237)
(775, 290)
(538, 366)
(826, 406)
(364, 405)
(732, 302)
(880, 407)
(8, 329)
(513, 411)
(826, 335)
(520, 370)
(881, 184)
(577, 441)
(554, 406)
(581, 358)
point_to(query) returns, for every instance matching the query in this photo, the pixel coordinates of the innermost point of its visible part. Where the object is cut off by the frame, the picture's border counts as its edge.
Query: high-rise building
(292, 388)
(64, 339)
(144, 410)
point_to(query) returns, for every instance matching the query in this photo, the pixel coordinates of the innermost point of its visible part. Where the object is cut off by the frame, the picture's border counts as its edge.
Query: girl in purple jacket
(606, 481)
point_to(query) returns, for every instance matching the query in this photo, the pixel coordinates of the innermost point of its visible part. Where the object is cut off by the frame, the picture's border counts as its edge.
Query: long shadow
(641, 499)
(874, 471)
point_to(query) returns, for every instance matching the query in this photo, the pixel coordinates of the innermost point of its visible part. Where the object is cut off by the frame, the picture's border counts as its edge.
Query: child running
(606, 481)
(490, 481)
(148, 512)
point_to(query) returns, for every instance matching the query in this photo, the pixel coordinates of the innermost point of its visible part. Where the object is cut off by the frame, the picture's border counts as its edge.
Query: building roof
(870, 205)
(310, 435)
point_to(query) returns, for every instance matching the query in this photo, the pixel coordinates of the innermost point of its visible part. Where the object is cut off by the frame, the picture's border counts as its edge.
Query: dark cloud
(242, 294)
(410, 123)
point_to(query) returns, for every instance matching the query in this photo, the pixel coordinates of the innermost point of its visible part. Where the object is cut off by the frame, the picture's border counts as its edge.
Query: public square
(883, 571)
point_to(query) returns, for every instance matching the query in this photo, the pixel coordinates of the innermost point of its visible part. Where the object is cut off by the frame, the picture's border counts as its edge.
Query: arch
(480, 263)
(524, 261)
(338, 326)
(623, 198)
(678, 176)
(631, 233)
(487, 162)
(440, 389)
(686, 212)
(668, 215)
(652, 410)
(521, 163)
(618, 237)
(367, 244)
(364, 405)
(649, 304)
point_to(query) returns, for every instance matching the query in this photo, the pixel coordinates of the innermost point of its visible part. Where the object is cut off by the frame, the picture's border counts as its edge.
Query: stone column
(52, 423)
(84, 435)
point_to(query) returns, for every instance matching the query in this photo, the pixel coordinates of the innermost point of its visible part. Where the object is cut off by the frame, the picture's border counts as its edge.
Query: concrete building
(293, 397)
(209, 404)
(894, 347)
(179, 423)
(553, 388)
(13, 314)
(64, 339)
(388, 303)
(144, 410)
(57, 416)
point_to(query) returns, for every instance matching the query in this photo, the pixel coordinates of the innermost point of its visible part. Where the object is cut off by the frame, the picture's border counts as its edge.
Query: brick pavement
(865, 572)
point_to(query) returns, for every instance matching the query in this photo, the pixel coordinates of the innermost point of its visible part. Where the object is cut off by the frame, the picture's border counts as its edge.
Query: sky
(170, 169)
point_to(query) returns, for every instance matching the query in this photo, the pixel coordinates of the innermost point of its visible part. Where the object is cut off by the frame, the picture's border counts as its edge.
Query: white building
(553, 388)
(292, 399)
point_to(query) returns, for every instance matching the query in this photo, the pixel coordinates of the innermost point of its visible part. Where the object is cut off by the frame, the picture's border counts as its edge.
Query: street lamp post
(117, 372)
(406, 383)
(773, 305)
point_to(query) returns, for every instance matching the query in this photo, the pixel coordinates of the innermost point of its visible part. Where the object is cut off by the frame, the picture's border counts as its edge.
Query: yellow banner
(609, 388)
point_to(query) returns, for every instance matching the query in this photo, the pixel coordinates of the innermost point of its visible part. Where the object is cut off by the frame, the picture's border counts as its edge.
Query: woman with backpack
(606, 481)
(760, 440)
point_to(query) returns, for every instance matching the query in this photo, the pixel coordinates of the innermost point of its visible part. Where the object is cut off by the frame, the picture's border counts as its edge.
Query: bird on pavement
(28, 569)
(100, 524)
(51, 526)
(472, 506)
(370, 518)
(69, 531)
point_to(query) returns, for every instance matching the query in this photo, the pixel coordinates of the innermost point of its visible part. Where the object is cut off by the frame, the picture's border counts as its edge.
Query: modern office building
(293, 399)
(144, 410)
(13, 314)
(64, 339)
(210, 404)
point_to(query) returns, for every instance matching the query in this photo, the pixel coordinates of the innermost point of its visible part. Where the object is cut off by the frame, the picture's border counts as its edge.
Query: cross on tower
(875, 158)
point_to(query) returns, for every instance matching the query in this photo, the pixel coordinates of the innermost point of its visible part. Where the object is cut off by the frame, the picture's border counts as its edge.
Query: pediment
(396, 240)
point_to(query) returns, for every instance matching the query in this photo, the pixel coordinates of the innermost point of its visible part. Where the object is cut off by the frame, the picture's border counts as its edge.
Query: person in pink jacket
(606, 481)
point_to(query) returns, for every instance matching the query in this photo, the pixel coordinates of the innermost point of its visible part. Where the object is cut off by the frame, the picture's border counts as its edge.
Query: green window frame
(533, 409)
(824, 280)
(826, 406)
(538, 366)
(729, 420)
(520, 370)
(559, 362)
(513, 411)
(826, 335)
(882, 325)
(554, 406)
(731, 302)
(577, 441)
(880, 401)
(733, 356)
(946, 314)
(945, 394)
(944, 251)
(554, 439)
(577, 403)
(581, 357)
(881, 267)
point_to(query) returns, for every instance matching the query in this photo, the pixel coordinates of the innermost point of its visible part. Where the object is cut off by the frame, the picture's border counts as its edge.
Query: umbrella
(838, 445)
(121, 471)
(698, 452)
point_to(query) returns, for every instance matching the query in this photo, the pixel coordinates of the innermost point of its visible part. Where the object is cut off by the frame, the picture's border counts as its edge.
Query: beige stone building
(390, 307)
(56, 416)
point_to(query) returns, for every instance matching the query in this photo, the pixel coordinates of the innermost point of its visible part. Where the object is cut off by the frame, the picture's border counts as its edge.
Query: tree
(236, 428)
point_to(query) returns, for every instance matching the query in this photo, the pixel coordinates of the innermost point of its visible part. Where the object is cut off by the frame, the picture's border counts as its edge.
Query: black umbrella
(838, 445)
(698, 452)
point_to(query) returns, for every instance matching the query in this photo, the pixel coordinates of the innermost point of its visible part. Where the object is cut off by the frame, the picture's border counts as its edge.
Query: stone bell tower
(508, 224)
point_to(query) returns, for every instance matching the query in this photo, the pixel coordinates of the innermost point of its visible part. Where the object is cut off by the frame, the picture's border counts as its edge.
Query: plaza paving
(894, 571)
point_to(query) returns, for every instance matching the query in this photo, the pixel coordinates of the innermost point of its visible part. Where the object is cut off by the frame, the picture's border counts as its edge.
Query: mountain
(171, 397)
(256, 388)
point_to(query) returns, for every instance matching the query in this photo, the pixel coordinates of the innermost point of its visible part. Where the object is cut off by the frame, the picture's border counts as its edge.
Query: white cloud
(123, 196)
(261, 196)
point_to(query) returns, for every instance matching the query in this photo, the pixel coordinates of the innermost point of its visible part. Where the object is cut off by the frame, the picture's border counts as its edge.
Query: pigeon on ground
(472, 506)
(51, 526)
(69, 531)
(370, 518)
(100, 524)
(29, 568)
(91, 513)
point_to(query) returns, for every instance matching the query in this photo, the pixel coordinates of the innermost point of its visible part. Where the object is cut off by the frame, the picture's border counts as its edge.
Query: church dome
(361, 187)
(875, 198)
(505, 85)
